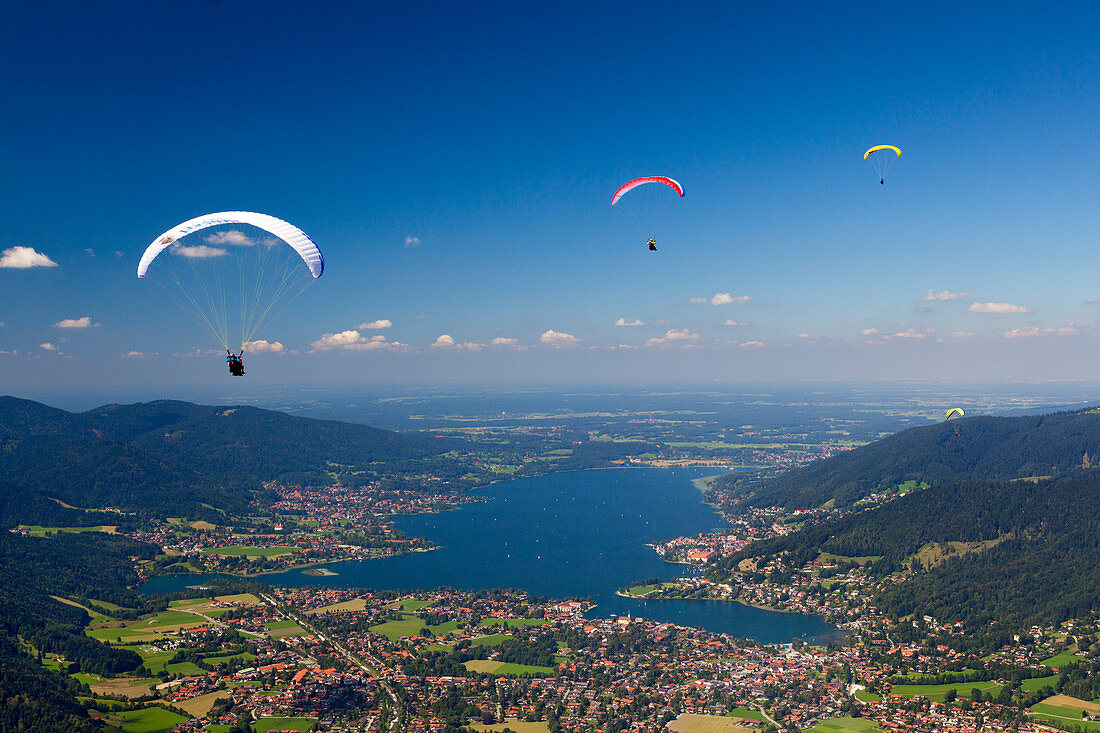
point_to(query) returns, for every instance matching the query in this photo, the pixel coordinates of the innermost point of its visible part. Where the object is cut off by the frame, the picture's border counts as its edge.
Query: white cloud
(197, 353)
(805, 336)
(869, 331)
(673, 334)
(1027, 331)
(502, 341)
(943, 295)
(698, 300)
(962, 335)
(727, 299)
(261, 346)
(731, 322)
(48, 346)
(9, 353)
(200, 252)
(751, 344)
(629, 322)
(998, 308)
(380, 323)
(557, 338)
(21, 258)
(134, 355)
(447, 341)
(412, 241)
(908, 333)
(352, 340)
(234, 238)
(84, 322)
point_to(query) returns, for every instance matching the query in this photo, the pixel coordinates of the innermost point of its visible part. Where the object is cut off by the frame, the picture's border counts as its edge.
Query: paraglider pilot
(652, 245)
(236, 366)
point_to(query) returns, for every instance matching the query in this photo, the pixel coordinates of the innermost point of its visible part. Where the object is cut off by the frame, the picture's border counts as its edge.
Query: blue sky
(492, 135)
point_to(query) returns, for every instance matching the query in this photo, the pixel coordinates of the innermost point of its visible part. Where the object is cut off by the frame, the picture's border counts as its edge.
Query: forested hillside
(1038, 564)
(171, 458)
(989, 448)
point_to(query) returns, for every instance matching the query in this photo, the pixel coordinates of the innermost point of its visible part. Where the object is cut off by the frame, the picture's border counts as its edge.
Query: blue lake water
(578, 534)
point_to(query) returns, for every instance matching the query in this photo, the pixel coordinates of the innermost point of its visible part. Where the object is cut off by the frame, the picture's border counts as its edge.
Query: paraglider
(881, 160)
(232, 272)
(236, 366)
(644, 208)
(954, 412)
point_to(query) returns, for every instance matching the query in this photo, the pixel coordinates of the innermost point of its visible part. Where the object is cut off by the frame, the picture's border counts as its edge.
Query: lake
(579, 534)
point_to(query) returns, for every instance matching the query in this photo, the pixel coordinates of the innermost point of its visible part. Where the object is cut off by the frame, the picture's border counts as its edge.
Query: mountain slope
(990, 448)
(171, 458)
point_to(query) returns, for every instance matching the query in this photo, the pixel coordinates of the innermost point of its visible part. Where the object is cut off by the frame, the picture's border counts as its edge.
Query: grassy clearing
(867, 696)
(515, 623)
(39, 531)
(263, 725)
(245, 551)
(519, 726)
(856, 725)
(158, 661)
(936, 553)
(507, 669)
(97, 617)
(692, 723)
(278, 629)
(411, 625)
(937, 692)
(355, 604)
(491, 640)
(245, 599)
(1037, 683)
(410, 604)
(1060, 660)
(743, 712)
(243, 656)
(201, 705)
(148, 720)
(861, 561)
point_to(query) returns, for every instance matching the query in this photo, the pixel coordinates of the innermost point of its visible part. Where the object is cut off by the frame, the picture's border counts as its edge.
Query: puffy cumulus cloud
(869, 331)
(48, 346)
(622, 347)
(673, 335)
(629, 322)
(134, 355)
(731, 322)
(352, 340)
(727, 299)
(373, 325)
(22, 258)
(200, 252)
(751, 345)
(943, 295)
(804, 335)
(262, 346)
(1027, 331)
(909, 333)
(412, 241)
(557, 338)
(997, 308)
(232, 238)
(447, 341)
(12, 352)
(503, 341)
(84, 322)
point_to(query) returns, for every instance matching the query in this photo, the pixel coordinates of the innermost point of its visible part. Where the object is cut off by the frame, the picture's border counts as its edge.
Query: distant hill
(170, 458)
(990, 448)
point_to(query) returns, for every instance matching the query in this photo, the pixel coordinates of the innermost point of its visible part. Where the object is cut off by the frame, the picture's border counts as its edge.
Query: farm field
(519, 726)
(410, 625)
(507, 669)
(355, 604)
(246, 551)
(937, 692)
(692, 723)
(148, 720)
(841, 725)
(263, 725)
(278, 629)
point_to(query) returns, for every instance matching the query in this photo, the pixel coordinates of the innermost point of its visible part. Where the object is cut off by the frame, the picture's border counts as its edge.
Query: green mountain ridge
(989, 448)
(170, 457)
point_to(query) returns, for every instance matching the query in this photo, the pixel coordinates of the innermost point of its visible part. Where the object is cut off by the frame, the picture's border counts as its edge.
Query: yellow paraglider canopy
(954, 411)
(877, 148)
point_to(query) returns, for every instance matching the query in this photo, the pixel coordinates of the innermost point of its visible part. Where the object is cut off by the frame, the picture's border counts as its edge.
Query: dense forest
(168, 458)
(1037, 566)
(989, 448)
